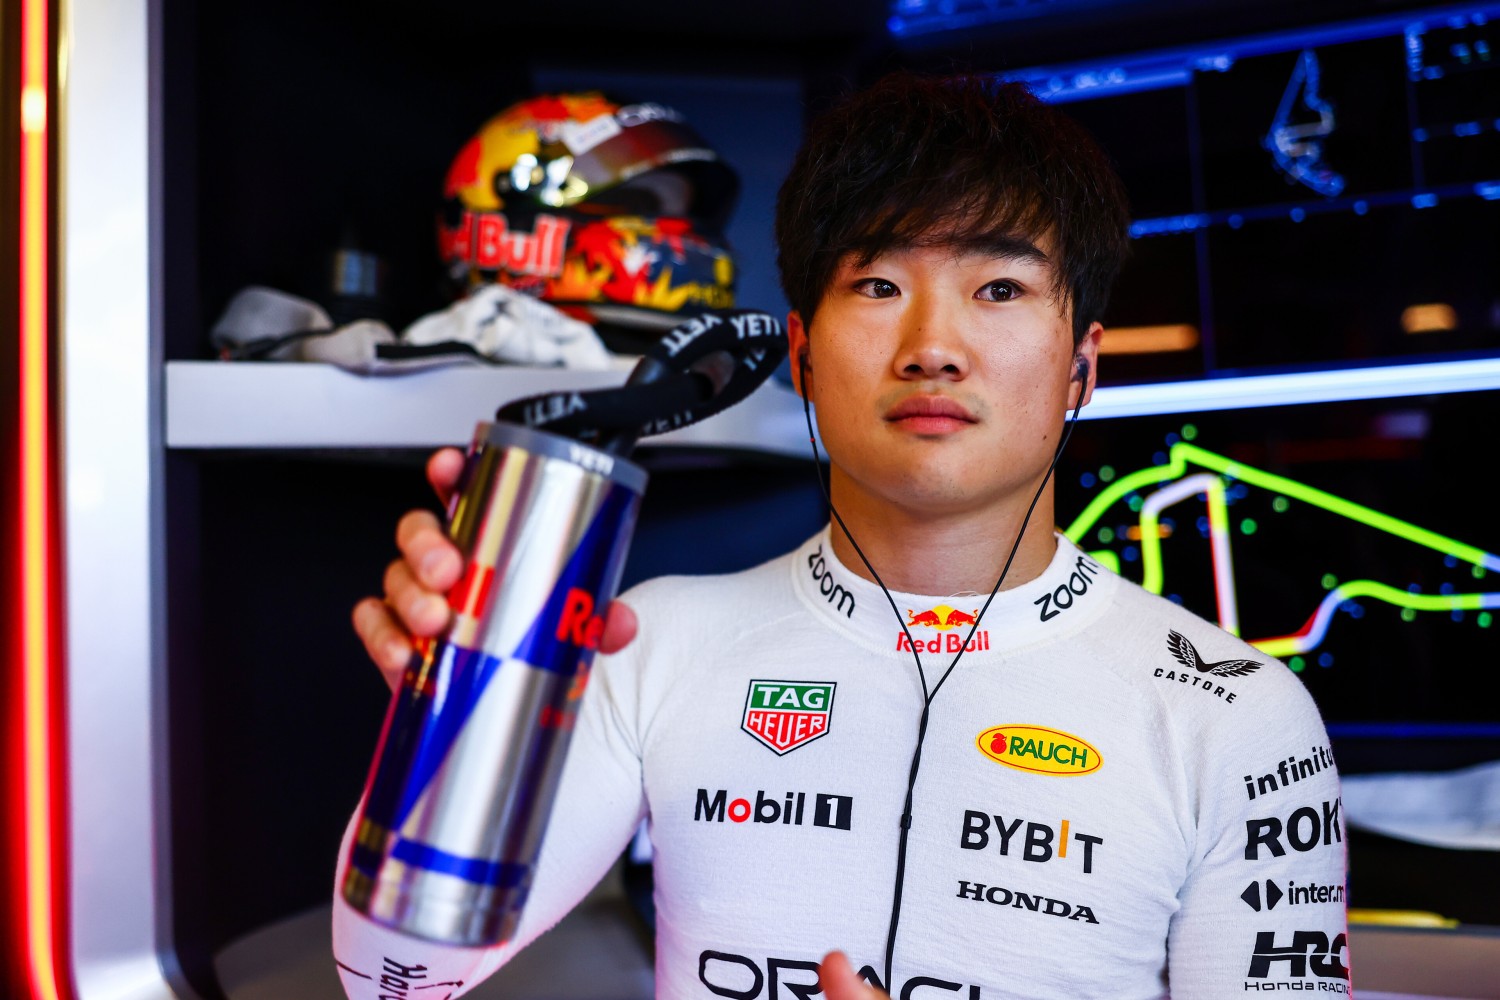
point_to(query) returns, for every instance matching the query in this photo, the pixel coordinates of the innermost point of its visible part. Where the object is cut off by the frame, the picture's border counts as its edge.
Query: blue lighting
(1413, 51)
(1235, 218)
(911, 18)
(1298, 148)
(1290, 388)
(1414, 730)
(1160, 68)
(1168, 224)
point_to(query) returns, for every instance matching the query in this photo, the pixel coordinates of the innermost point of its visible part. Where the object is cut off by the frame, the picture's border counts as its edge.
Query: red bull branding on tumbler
(458, 796)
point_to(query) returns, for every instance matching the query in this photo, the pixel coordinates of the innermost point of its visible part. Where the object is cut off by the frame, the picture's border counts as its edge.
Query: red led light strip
(37, 569)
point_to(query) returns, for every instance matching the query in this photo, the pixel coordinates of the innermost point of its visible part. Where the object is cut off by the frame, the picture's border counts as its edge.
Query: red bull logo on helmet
(484, 240)
(942, 618)
(785, 715)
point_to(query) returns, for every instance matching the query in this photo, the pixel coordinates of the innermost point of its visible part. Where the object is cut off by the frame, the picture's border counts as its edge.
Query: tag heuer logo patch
(785, 715)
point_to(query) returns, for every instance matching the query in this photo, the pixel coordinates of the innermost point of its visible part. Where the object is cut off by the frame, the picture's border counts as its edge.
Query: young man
(1104, 796)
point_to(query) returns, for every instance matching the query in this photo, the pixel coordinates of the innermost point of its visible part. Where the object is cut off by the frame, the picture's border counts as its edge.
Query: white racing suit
(1116, 798)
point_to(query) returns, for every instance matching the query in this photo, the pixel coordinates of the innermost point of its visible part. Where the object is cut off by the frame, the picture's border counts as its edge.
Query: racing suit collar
(1068, 593)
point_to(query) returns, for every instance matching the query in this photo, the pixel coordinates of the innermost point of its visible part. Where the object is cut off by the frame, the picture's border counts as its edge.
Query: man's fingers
(443, 470)
(841, 982)
(619, 627)
(431, 555)
(384, 639)
(422, 611)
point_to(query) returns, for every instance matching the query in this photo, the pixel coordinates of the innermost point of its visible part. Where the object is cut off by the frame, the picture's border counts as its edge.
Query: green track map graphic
(1128, 519)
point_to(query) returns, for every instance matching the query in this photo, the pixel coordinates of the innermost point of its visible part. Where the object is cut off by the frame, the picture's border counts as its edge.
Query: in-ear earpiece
(1081, 370)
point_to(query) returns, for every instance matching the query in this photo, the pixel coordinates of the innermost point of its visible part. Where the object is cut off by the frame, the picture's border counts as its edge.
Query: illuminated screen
(1356, 541)
(1300, 202)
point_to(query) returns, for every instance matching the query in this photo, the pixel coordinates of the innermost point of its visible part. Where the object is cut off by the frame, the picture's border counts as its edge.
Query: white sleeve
(599, 805)
(1263, 907)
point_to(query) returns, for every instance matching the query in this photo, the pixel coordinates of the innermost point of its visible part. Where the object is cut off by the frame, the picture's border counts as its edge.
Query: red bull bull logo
(785, 715)
(942, 618)
(484, 240)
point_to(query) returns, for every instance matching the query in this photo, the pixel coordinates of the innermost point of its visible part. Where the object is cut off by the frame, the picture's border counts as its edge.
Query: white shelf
(254, 404)
(240, 404)
(1290, 388)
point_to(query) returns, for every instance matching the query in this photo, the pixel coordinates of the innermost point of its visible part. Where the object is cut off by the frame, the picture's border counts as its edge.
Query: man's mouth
(930, 415)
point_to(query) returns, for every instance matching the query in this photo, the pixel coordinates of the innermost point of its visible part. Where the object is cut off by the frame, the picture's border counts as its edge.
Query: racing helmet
(614, 213)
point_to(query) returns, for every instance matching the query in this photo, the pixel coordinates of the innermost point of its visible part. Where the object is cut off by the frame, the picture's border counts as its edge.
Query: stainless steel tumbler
(467, 766)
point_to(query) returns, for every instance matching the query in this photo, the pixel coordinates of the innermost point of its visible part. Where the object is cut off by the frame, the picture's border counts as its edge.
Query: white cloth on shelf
(1457, 809)
(269, 322)
(494, 325)
(505, 325)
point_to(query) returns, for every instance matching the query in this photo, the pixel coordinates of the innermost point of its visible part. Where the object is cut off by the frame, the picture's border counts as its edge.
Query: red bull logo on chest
(942, 618)
(785, 715)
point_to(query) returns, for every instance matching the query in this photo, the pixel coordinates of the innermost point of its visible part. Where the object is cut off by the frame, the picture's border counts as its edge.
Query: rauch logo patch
(785, 715)
(1039, 750)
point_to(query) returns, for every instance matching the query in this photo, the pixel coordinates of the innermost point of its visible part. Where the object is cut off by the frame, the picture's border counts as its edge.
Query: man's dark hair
(961, 162)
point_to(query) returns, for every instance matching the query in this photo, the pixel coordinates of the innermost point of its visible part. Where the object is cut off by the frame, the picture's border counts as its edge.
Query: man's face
(942, 378)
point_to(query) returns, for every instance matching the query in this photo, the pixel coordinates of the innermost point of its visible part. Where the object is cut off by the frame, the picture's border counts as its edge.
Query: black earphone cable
(1082, 369)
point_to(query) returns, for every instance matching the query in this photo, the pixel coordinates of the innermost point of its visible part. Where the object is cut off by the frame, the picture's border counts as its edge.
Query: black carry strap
(697, 369)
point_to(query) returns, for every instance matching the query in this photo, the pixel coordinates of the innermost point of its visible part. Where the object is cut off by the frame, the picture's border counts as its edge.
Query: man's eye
(876, 288)
(999, 291)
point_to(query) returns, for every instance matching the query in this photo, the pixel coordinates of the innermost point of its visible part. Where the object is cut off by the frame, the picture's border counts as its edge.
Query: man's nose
(932, 345)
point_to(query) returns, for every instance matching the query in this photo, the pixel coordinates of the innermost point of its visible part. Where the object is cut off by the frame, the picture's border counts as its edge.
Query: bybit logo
(1039, 843)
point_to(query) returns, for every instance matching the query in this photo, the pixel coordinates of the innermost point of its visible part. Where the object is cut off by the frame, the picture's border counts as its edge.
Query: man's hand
(415, 605)
(841, 982)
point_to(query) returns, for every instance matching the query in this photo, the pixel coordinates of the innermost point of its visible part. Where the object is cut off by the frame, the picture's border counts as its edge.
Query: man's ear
(1087, 353)
(796, 336)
